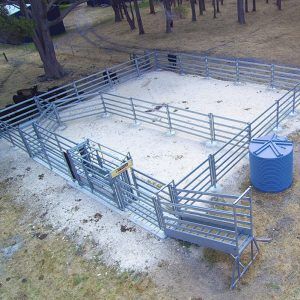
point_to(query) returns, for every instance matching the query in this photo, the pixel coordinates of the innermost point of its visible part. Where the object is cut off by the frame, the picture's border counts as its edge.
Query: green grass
(144, 4)
(63, 6)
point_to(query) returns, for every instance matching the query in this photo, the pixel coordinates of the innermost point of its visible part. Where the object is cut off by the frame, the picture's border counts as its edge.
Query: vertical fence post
(237, 71)
(249, 132)
(212, 168)
(212, 127)
(2, 129)
(105, 114)
(37, 103)
(9, 135)
(272, 76)
(294, 101)
(158, 211)
(135, 183)
(180, 64)
(173, 196)
(75, 89)
(156, 66)
(39, 138)
(236, 228)
(147, 61)
(206, 67)
(117, 194)
(57, 114)
(137, 67)
(133, 111)
(277, 114)
(171, 131)
(87, 175)
(108, 77)
(251, 209)
(24, 141)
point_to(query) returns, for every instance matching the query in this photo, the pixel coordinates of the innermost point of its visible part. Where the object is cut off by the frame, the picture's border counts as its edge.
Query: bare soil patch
(46, 220)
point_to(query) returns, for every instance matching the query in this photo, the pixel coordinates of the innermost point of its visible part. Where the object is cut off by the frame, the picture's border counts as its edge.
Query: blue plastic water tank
(271, 163)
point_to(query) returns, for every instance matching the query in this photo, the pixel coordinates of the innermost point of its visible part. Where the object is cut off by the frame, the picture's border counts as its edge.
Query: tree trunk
(246, 6)
(218, 6)
(116, 8)
(129, 20)
(278, 4)
(254, 5)
(151, 5)
(132, 14)
(120, 10)
(214, 5)
(241, 11)
(138, 17)
(168, 14)
(201, 10)
(192, 2)
(43, 41)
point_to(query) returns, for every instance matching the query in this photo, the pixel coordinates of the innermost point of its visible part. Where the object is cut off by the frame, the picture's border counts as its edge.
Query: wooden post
(5, 56)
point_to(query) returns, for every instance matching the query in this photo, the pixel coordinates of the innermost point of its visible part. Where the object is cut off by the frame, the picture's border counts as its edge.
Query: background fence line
(237, 70)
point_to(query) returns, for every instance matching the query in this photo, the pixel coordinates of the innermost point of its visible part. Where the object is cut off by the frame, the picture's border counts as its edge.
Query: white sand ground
(242, 102)
(171, 158)
(165, 158)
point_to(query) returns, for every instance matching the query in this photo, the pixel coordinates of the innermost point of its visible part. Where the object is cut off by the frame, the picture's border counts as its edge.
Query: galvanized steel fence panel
(236, 70)
(135, 190)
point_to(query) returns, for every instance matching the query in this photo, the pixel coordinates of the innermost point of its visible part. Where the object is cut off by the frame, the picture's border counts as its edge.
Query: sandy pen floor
(171, 158)
(224, 98)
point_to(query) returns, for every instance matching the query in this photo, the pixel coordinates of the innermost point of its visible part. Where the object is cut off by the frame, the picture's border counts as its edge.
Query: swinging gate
(109, 173)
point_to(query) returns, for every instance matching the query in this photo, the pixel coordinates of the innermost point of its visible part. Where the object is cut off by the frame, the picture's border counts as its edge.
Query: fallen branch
(264, 240)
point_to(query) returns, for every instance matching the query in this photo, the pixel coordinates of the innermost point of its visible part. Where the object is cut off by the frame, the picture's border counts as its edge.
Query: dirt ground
(38, 263)
(93, 41)
(58, 239)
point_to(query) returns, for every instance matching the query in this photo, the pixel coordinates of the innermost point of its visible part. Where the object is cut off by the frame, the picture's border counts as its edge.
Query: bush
(181, 11)
(13, 30)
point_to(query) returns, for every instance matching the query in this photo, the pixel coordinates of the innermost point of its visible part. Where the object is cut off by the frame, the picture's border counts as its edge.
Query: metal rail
(186, 209)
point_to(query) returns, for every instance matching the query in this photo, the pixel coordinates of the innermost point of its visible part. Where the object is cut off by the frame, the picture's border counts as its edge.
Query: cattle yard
(167, 184)
(190, 98)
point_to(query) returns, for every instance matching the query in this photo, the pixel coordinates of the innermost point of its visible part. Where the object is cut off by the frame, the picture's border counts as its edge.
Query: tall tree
(218, 6)
(241, 11)
(214, 6)
(201, 7)
(37, 13)
(138, 17)
(115, 4)
(254, 5)
(278, 2)
(130, 20)
(192, 2)
(151, 5)
(246, 6)
(168, 15)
